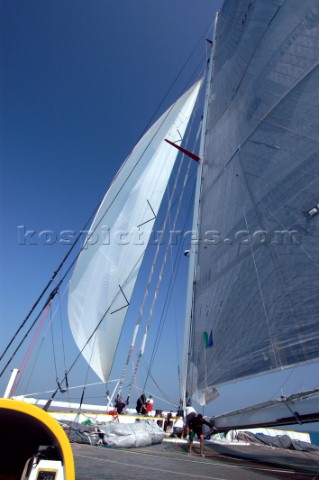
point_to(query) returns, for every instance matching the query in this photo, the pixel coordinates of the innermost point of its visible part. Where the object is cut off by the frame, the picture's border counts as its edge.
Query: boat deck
(171, 461)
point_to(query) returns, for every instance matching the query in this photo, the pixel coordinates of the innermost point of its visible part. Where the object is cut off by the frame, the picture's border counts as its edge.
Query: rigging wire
(48, 301)
(262, 299)
(97, 225)
(160, 276)
(172, 280)
(70, 388)
(53, 293)
(61, 328)
(135, 333)
(140, 316)
(53, 351)
(24, 386)
(166, 397)
(169, 293)
(147, 288)
(31, 369)
(86, 376)
(29, 351)
(206, 32)
(51, 296)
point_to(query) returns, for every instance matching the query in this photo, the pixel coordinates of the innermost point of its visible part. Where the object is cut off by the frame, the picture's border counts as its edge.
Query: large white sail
(255, 286)
(107, 268)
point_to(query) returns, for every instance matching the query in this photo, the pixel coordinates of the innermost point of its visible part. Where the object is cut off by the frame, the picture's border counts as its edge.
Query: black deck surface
(170, 461)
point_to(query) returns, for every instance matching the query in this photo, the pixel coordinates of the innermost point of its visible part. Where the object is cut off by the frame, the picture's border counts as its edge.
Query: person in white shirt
(178, 428)
(189, 413)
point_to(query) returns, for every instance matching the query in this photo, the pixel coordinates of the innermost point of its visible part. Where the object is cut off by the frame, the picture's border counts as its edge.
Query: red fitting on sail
(187, 152)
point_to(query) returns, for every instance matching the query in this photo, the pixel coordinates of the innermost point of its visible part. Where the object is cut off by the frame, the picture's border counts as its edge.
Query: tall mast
(194, 248)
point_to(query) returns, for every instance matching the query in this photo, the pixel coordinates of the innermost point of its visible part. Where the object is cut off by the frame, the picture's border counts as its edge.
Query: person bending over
(196, 428)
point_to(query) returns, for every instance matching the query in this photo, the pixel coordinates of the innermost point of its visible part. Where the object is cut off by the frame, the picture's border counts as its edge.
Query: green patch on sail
(208, 339)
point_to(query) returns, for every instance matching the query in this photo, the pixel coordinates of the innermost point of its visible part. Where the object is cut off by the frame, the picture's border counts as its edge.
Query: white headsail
(107, 268)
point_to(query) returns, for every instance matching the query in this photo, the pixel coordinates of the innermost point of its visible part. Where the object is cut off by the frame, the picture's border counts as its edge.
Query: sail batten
(256, 281)
(107, 268)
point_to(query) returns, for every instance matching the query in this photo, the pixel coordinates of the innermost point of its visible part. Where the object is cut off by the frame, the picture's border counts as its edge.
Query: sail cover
(106, 270)
(255, 286)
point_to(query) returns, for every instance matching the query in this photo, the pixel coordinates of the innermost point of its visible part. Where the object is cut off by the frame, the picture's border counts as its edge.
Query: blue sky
(79, 83)
(80, 80)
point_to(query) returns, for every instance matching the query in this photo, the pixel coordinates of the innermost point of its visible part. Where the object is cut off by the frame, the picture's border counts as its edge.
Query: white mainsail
(107, 268)
(256, 277)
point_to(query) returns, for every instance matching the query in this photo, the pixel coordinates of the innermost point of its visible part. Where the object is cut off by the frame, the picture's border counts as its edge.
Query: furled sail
(255, 286)
(106, 270)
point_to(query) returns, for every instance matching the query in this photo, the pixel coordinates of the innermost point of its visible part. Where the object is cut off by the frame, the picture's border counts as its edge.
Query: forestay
(256, 279)
(107, 268)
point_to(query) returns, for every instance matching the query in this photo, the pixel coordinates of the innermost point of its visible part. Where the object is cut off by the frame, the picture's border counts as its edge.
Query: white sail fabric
(256, 301)
(107, 268)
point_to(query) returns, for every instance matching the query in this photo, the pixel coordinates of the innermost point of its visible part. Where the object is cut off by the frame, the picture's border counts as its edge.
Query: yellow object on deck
(25, 429)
